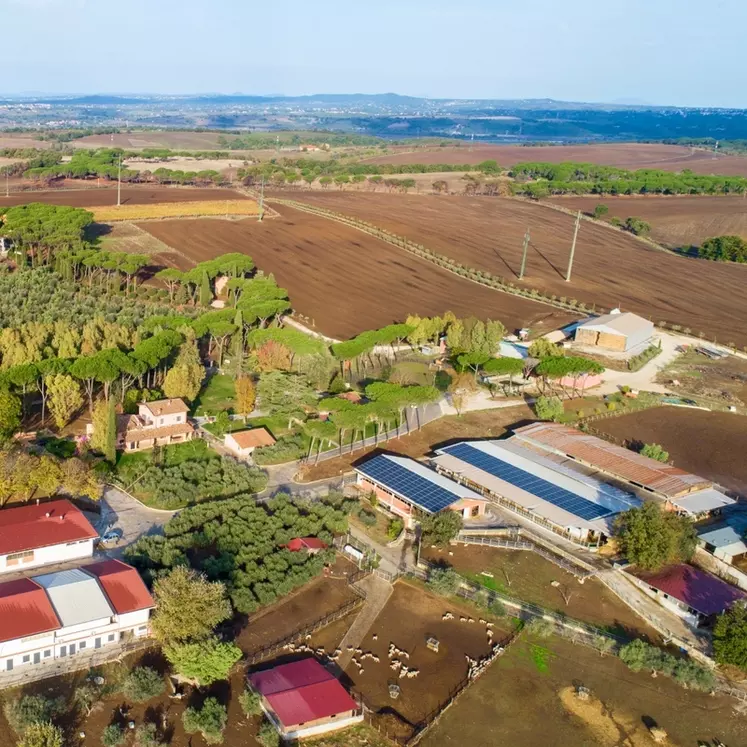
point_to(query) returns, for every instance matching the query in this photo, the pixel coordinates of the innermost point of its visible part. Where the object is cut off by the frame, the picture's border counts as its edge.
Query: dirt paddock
(343, 279)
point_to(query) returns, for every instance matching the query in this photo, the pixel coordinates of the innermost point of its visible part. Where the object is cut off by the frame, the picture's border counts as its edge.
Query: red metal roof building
(122, 585)
(304, 699)
(699, 592)
(310, 544)
(25, 610)
(43, 533)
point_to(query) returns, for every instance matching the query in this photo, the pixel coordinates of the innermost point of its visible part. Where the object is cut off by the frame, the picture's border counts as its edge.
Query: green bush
(112, 736)
(548, 408)
(143, 683)
(25, 710)
(286, 449)
(268, 735)
(250, 702)
(210, 720)
(365, 516)
(444, 581)
(395, 528)
(639, 655)
(42, 734)
(146, 735)
(655, 451)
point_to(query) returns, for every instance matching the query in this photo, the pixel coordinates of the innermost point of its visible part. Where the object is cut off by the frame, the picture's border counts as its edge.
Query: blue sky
(682, 52)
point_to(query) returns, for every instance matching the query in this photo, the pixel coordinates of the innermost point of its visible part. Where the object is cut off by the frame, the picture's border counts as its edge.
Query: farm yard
(710, 444)
(410, 617)
(621, 155)
(131, 195)
(487, 233)
(676, 221)
(346, 281)
(529, 577)
(524, 700)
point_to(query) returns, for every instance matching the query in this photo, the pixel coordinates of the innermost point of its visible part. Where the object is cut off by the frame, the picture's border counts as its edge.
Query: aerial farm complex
(324, 438)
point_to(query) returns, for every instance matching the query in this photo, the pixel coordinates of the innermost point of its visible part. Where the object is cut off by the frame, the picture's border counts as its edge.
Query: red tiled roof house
(311, 545)
(41, 534)
(243, 443)
(303, 699)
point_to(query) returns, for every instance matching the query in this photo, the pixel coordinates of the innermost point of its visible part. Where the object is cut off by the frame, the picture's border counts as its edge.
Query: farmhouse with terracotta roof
(302, 699)
(71, 613)
(158, 423)
(42, 534)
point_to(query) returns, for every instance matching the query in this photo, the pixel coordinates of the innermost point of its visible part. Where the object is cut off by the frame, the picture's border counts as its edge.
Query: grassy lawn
(234, 425)
(218, 394)
(170, 456)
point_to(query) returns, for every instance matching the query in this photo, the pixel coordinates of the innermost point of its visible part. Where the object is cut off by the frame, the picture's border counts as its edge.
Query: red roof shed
(697, 589)
(302, 691)
(122, 585)
(25, 610)
(306, 543)
(42, 525)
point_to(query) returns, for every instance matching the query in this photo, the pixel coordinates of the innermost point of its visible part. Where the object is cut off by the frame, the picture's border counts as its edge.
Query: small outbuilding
(617, 331)
(303, 699)
(312, 545)
(243, 443)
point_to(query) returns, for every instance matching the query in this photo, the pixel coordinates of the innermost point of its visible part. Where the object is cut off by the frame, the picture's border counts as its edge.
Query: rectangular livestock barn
(619, 332)
(404, 486)
(570, 503)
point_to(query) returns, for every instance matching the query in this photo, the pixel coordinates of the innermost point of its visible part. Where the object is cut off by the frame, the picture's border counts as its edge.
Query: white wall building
(43, 534)
(63, 614)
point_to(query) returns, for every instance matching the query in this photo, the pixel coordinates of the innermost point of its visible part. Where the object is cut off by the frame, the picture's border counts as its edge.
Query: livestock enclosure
(622, 155)
(345, 280)
(711, 444)
(678, 221)
(611, 268)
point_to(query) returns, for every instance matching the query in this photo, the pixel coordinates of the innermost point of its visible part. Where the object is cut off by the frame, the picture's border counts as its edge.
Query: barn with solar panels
(568, 502)
(405, 486)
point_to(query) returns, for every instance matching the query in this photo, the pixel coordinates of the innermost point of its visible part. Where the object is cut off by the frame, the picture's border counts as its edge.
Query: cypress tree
(110, 452)
(206, 292)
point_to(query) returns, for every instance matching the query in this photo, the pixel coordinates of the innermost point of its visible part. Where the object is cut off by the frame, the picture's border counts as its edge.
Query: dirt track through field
(345, 280)
(92, 197)
(622, 155)
(676, 221)
(610, 268)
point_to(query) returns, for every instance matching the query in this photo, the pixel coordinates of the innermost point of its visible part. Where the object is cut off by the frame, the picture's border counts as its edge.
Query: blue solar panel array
(413, 487)
(558, 496)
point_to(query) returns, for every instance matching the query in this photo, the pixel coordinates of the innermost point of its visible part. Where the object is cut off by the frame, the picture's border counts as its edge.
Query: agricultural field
(345, 281)
(526, 699)
(131, 195)
(177, 140)
(677, 221)
(487, 233)
(178, 163)
(529, 577)
(621, 155)
(710, 444)
(410, 617)
(164, 210)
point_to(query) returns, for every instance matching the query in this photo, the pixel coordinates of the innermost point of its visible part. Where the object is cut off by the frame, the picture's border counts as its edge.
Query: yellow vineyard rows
(110, 213)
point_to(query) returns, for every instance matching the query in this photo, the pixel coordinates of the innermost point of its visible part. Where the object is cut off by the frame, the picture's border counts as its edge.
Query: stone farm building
(302, 699)
(405, 486)
(617, 331)
(68, 613)
(693, 594)
(158, 423)
(42, 534)
(243, 443)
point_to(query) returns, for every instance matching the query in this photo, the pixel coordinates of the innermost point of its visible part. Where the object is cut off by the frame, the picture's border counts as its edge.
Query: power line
(524, 255)
(573, 247)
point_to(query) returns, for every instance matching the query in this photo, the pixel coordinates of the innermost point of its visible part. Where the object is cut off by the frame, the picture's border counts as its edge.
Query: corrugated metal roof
(54, 523)
(76, 596)
(724, 537)
(122, 585)
(25, 610)
(626, 323)
(703, 501)
(663, 478)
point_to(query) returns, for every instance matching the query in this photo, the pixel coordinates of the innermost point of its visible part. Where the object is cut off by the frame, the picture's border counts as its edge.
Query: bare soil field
(187, 164)
(527, 576)
(105, 196)
(676, 221)
(22, 140)
(622, 155)
(410, 617)
(610, 268)
(344, 280)
(178, 140)
(519, 702)
(479, 424)
(710, 444)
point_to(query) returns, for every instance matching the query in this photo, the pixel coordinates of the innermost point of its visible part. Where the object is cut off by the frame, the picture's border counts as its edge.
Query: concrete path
(393, 559)
(378, 592)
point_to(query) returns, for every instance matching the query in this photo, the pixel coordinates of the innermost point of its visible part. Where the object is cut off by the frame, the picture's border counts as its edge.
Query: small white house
(243, 443)
(43, 534)
(69, 613)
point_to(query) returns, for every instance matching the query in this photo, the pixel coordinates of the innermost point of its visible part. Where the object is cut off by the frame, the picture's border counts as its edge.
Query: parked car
(112, 537)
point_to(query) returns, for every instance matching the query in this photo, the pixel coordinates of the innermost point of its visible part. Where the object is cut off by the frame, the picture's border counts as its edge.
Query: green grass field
(218, 394)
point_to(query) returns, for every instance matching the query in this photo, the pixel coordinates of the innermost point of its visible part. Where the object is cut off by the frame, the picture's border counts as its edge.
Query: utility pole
(573, 247)
(524, 255)
(119, 183)
(261, 201)
(7, 183)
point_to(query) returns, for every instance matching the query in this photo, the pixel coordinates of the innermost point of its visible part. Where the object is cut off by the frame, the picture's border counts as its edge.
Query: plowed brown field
(677, 221)
(611, 268)
(623, 155)
(130, 196)
(344, 280)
